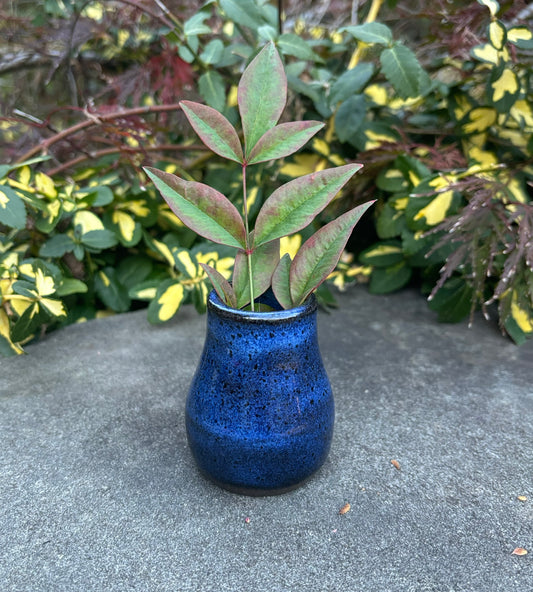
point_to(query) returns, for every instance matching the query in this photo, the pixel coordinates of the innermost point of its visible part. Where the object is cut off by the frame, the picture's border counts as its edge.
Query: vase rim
(215, 304)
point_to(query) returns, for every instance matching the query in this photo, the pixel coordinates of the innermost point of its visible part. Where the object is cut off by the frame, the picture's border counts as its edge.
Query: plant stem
(248, 245)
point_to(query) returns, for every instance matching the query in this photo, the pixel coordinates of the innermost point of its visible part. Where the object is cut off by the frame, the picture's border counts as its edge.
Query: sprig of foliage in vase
(262, 95)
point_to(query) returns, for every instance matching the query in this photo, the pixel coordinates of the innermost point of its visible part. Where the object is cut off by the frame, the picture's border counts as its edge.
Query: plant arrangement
(262, 93)
(446, 138)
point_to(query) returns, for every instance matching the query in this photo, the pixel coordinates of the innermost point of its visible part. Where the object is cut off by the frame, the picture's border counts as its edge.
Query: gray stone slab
(99, 492)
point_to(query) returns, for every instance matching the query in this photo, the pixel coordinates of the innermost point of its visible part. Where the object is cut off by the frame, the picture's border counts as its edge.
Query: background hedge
(436, 101)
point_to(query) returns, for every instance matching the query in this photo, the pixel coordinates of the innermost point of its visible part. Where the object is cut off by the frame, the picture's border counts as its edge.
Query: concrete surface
(99, 492)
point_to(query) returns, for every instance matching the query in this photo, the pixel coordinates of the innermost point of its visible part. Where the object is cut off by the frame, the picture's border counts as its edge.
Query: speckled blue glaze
(260, 410)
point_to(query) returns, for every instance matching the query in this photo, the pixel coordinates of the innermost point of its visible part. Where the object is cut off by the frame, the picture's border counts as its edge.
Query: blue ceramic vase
(260, 410)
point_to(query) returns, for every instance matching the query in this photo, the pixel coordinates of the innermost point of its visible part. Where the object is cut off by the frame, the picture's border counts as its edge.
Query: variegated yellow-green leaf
(44, 284)
(167, 301)
(504, 89)
(437, 209)
(87, 221)
(185, 263)
(45, 185)
(492, 5)
(497, 34)
(521, 37)
(53, 307)
(382, 254)
(130, 231)
(489, 54)
(480, 119)
(5, 333)
(522, 315)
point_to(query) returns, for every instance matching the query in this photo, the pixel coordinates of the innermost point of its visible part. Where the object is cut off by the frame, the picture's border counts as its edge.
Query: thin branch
(106, 151)
(92, 120)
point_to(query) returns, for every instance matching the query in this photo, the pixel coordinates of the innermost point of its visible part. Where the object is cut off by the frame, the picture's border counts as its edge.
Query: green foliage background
(443, 124)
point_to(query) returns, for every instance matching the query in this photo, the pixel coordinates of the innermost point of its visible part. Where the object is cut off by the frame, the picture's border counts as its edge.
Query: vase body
(260, 411)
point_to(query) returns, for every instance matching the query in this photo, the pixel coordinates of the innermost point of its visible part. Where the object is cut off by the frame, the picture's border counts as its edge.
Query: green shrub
(445, 133)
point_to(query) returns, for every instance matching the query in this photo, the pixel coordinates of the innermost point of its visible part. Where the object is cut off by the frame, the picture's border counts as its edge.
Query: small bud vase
(260, 411)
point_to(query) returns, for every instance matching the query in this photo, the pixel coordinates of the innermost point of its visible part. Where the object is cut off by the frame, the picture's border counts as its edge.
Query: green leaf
(350, 83)
(4, 170)
(370, 33)
(57, 246)
(213, 90)
(389, 279)
(453, 301)
(202, 208)
(243, 12)
(264, 261)
(215, 131)
(12, 209)
(281, 282)
(212, 52)
(133, 270)
(350, 116)
(283, 140)
(168, 299)
(382, 254)
(291, 44)
(294, 205)
(112, 293)
(267, 33)
(196, 25)
(71, 286)
(319, 255)
(99, 239)
(402, 70)
(221, 285)
(262, 94)
(391, 222)
(103, 196)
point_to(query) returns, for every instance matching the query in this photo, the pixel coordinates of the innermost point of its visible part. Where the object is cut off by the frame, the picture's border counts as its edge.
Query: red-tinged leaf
(283, 140)
(215, 131)
(264, 262)
(262, 95)
(294, 205)
(319, 255)
(202, 208)
(221, 285)
(280, 282)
